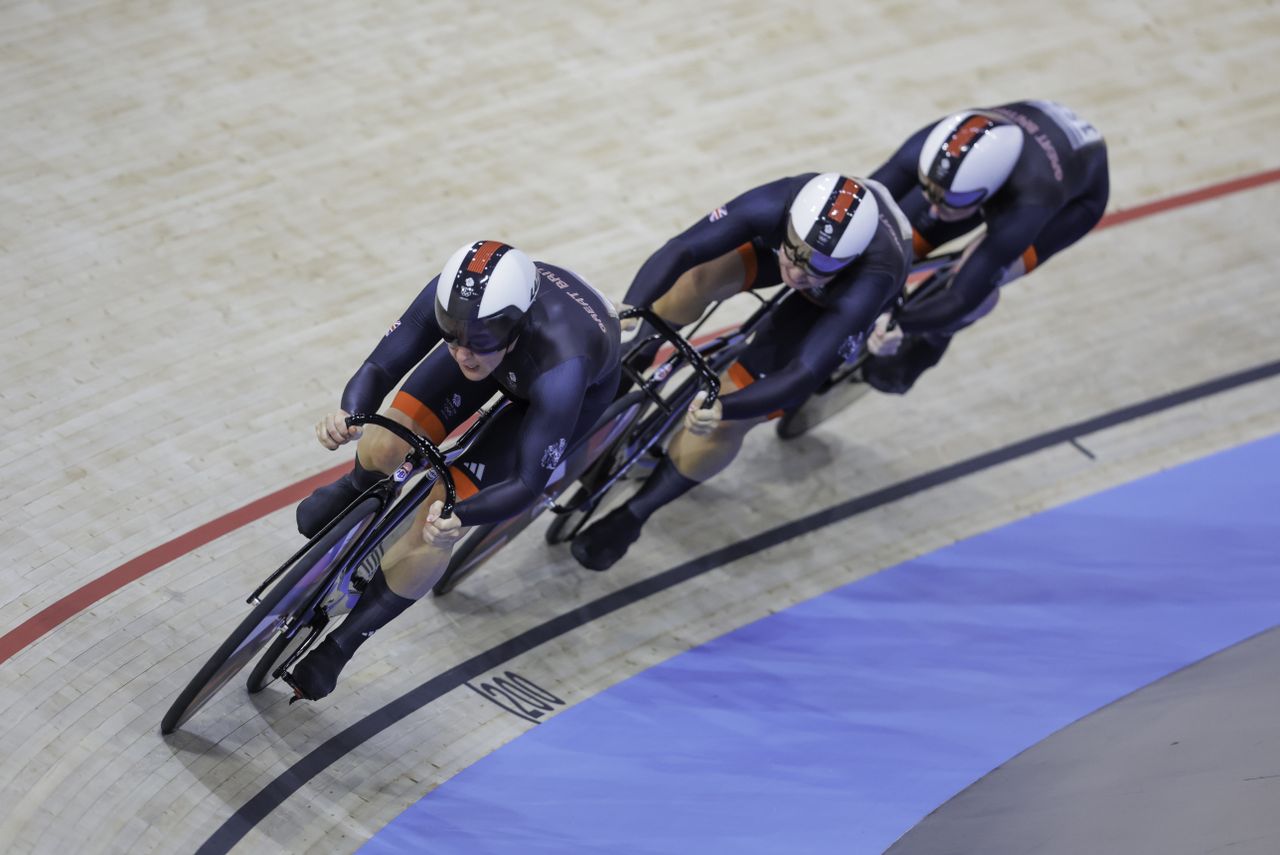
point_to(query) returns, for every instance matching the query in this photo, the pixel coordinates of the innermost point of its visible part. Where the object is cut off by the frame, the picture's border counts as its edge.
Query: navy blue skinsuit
(804, 340)
(1055, 195)
(561, 373)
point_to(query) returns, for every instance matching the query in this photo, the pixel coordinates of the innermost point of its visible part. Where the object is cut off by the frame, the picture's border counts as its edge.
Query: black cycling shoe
(317, 674)
(315, 511)
(601, 544)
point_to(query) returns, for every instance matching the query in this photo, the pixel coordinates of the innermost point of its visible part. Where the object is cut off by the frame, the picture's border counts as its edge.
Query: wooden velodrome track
(212, 212)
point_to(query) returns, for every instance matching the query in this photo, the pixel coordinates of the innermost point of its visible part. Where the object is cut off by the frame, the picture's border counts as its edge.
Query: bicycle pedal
(297, 692)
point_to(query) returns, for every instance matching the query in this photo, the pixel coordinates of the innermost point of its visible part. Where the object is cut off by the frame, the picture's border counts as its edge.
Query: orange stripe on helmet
(482, 256)
(845, 197)
(963, 135)
(422, 416)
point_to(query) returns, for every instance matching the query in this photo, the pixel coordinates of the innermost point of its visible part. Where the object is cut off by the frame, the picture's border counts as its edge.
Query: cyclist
(1032, 171)
(535, 331)
(840, 243)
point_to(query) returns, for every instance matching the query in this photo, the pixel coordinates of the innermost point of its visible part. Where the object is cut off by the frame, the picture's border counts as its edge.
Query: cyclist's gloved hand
(441, 533)
(628, 324)
(700, 420)
(884, 341)
(332, 430)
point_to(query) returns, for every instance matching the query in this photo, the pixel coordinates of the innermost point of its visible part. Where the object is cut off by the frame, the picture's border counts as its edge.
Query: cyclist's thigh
(597, 400)
(722, 277)
(775, 345)
(760, 265)
(437, 397)
(492, 457)
(1078, 217)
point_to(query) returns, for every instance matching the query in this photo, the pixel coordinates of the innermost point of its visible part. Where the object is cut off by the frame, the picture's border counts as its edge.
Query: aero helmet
(485, 289)
(967, 157)
(831, 222)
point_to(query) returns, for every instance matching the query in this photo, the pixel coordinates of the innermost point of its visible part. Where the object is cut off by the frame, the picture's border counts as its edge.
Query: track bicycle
(323, 579)
(665, 393)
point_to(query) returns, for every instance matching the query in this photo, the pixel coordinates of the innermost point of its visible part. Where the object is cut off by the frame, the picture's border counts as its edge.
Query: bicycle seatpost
(423, 451)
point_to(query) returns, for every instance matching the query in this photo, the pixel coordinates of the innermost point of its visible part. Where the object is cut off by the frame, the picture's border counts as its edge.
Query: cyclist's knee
(382, 450)
(728, 434)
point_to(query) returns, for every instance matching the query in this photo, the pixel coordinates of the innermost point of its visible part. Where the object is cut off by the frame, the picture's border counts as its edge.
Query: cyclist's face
(952, 215)
(476, 366)
(797, 276)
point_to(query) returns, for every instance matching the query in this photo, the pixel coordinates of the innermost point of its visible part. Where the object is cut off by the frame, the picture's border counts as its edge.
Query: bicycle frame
(390, 513)
(707, 361)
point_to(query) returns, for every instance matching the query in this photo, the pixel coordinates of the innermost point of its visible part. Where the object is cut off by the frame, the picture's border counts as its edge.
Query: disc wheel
(277, 605)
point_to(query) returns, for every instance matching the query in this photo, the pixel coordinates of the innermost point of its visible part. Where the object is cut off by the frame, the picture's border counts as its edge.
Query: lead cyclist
(537, 332)
(1032, 171)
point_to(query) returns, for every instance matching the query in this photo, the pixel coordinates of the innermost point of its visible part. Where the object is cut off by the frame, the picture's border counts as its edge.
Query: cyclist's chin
(801, 285)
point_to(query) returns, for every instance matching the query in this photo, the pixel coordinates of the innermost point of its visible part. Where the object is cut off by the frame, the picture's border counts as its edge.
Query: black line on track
(1080, 448)
(274, 794)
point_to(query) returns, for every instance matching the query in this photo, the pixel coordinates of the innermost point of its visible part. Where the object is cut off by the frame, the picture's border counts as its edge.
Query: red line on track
(80, 599)
(85, 596)
(1213, 191)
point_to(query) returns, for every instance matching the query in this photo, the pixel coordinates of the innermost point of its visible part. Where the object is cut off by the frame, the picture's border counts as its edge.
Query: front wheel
(272, 614)
(283, 649)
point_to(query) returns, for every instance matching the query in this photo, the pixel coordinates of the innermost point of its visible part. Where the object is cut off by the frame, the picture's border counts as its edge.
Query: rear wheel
(277, 606)
(565, 527)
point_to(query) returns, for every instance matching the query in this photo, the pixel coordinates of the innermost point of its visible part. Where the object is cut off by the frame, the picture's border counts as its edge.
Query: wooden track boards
(211, 214)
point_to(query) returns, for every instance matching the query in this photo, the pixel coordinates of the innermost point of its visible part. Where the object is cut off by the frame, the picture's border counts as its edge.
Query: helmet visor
(953, 199)
(478, 335)
(807, 258)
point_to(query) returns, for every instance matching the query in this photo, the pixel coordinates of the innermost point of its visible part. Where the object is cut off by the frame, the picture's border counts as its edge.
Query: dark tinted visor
(479, 336)
(804, 256)
(951, 199)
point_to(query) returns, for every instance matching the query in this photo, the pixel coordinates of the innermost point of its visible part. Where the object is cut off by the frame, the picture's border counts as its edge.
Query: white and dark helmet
(967, 157)
(831, 222)
(485, 290)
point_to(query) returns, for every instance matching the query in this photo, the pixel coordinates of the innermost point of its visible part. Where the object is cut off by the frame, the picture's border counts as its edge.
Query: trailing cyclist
(534, 331)
(839, 243)
(1032, 171)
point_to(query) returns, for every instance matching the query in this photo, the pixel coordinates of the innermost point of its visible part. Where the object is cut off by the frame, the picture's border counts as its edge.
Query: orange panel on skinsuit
(742, 378)
(462, 483)
(748, 255)
(1029, 259)
(421, 414)
(919, 245)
